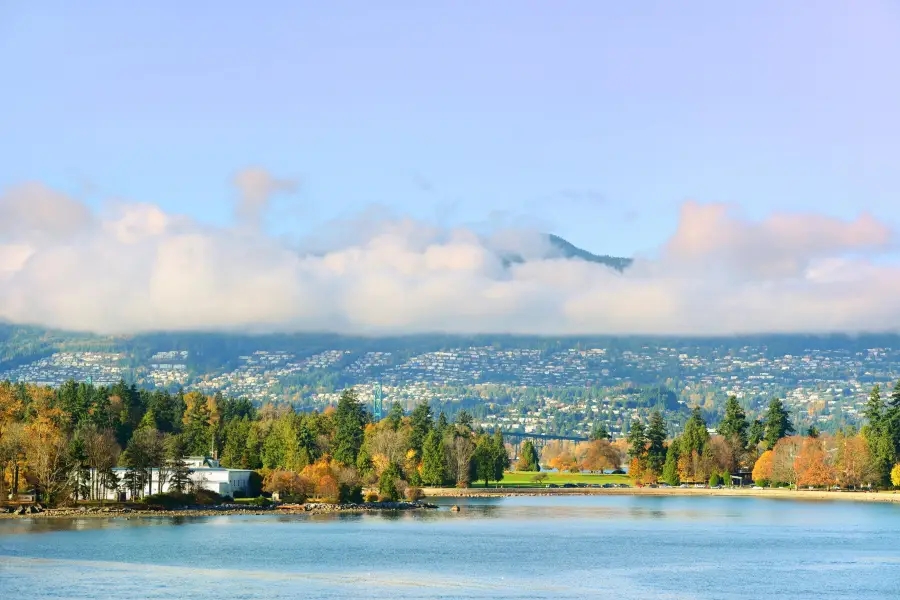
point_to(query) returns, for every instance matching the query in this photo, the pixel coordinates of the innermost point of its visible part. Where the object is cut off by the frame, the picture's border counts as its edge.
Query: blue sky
(594, 120)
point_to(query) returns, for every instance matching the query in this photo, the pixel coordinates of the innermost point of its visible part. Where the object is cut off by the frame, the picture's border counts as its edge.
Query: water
(549, 547)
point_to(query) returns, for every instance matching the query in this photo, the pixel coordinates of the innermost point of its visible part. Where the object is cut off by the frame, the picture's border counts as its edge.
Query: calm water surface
(550, 547)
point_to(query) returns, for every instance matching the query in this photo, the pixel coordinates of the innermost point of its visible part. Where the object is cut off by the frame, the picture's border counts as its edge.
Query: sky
(155, 153)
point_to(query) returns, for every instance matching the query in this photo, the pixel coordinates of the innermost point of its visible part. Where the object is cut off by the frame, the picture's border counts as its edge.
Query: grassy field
(513, 479)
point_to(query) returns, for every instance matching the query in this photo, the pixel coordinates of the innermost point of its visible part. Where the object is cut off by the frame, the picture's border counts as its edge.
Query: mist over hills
(561, 248)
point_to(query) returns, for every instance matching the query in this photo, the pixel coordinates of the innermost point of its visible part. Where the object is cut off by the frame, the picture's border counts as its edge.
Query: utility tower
(377, 402)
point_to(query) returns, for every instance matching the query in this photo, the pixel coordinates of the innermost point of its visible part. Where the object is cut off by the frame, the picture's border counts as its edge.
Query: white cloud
(136, 268)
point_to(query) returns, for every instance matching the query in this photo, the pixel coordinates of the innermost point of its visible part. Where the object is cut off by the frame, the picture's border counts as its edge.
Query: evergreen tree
(777, 423)
(878, 437)
(482, 464)
(500, 455)
(387, 484)
(433, 469)
(757, 433)
(637, 441)
(529, 459)
(656, 436)
(442, 424)
(179, 472)
(733, 428)
(892, 419)
(734, 425)
(251, 456)
(696, 435)
(670, 469)
(196, 429)
(464, 419)
(600, 433)
(422, 423)
(148, 421)
(395, 416)
(349, 420)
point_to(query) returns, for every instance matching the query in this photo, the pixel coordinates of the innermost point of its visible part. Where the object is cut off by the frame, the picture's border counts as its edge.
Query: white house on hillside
(205, 473)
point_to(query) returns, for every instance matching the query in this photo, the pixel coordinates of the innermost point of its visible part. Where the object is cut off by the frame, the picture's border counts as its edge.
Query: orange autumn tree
(811, 465)
(636, 471)
(762, 470)
(601, 455)
(565, 462)
(288, 485)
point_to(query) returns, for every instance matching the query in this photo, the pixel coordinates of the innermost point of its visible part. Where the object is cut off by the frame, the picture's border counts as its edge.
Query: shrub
(387, 484)
(168, 500)
(350, 493)
(714, 480)
(371, 497)
(260, 501)
(539, 478)
(414, 494)
(763, 483)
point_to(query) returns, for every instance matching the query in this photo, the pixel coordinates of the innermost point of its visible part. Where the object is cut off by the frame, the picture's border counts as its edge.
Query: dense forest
(847, 459)
(51, 438)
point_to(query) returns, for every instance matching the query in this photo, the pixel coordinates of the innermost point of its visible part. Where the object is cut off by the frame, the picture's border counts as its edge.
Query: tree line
(51, 440)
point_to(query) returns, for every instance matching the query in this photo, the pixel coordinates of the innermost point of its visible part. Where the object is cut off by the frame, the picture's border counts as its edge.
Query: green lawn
(521, 479)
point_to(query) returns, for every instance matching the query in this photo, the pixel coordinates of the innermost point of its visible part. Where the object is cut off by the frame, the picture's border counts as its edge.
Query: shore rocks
(222, 509)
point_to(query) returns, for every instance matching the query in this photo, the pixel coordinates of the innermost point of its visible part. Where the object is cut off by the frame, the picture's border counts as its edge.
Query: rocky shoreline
(210, 511)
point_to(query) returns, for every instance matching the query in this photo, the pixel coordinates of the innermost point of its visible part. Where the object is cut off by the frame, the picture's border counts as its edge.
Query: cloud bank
(134, 268)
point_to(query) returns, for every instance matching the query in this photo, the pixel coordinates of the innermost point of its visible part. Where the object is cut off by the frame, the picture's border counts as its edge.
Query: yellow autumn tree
(45, 449)
(895, 475)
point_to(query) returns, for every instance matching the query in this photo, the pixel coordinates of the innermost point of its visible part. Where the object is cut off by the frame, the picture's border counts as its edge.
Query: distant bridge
(521, 435)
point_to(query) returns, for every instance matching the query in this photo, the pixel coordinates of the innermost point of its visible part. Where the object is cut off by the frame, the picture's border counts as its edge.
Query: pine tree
(600, 433)
(656, 436)
(442, 424)
(670, 469)
(422, 423)
(433, 469)
(777, 423)
(637, 441)
(879, 439)
(349, 420)
(179, 472)
(733, 428)
(696, 434)
(734, 425)
(500, 455)
(395, 416)
(529, 459)
(757, 433)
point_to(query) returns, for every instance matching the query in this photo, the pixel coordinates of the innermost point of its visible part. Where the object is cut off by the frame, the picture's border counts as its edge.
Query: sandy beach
(783, 494)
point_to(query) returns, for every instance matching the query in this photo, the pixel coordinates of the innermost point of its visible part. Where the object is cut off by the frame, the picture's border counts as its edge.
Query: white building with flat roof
(204, 473)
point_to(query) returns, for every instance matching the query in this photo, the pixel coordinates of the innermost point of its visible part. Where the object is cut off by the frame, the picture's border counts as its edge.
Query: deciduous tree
(811, 465)
(762, 470)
